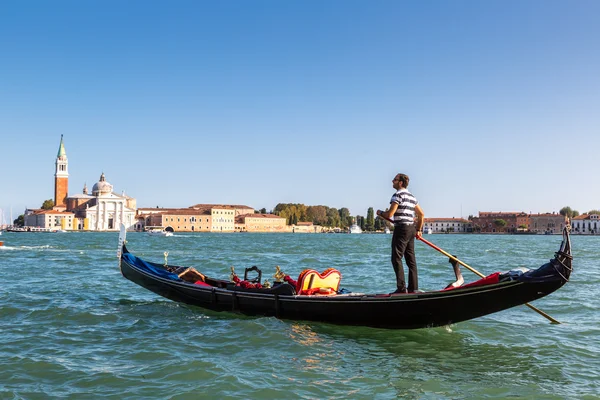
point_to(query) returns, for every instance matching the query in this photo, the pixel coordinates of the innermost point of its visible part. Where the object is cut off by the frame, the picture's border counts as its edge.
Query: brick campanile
(61, 178)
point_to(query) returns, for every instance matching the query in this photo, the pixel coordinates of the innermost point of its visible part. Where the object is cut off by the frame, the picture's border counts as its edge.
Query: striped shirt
(405, 213)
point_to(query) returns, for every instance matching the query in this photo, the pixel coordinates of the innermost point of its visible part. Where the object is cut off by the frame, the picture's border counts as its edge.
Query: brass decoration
(266, 284)
(166, 253)
(279, 274)
(232, 275)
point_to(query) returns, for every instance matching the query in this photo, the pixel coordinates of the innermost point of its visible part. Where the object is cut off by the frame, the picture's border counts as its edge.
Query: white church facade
(103, 210)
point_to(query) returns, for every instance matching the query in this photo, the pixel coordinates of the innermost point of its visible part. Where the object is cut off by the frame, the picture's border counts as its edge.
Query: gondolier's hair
(404, 179)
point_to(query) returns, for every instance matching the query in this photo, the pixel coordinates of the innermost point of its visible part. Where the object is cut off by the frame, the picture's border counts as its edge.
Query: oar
(450, 256)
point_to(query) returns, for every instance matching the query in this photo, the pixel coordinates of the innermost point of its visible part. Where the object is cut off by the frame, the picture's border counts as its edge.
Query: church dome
(102, 187)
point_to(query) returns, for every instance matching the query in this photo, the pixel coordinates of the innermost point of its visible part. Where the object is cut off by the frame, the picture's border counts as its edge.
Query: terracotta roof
(220, 206)
(181, 211)
(582, 216)
(446, 220)
(52, 212)
(250, 215)
(506, 213)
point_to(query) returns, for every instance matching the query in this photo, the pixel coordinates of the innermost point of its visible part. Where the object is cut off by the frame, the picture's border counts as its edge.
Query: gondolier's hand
(419, 234)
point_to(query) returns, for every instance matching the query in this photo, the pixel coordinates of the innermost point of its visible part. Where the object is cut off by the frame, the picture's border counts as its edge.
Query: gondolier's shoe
(399, 291)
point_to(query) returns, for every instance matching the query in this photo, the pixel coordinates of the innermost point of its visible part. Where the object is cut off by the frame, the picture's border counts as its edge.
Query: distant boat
(15, 229)
(159, 232)
(428, 231)
(355, 229)
(387, 231)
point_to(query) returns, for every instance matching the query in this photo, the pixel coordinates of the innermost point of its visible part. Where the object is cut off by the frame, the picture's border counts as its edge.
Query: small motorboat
(355, 229)
(159, 232)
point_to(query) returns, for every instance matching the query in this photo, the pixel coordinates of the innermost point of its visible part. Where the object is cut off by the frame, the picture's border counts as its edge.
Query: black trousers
(403, 245)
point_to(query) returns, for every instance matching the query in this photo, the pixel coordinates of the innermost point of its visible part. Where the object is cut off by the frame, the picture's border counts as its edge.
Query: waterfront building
(48, 219)
(586, 224)
(446, 225)
(198, 218)
(174, 219)
(547, 223)
(500, 222)
(103, 210)
(305, 227)
(260, 223)
(237, 208)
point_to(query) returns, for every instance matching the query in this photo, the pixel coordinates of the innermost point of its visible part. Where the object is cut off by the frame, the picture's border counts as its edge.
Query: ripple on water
(73, 327)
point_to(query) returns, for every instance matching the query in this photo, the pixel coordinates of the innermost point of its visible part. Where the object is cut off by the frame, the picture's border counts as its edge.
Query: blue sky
(487, 105)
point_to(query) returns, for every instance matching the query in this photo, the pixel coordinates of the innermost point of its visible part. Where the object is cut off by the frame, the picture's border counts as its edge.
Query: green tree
(317, 214)
(47, 204)
(500, 223)
(360, 221)
(378, 224)
(593, 212)
(568, 212)
(291, 212)
(333, 218)
(263, 210)
(370, 224)
(345, 218)
(20, 221)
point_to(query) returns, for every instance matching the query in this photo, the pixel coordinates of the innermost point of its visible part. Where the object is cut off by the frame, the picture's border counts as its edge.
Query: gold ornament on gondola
(232, 274)
(279, 274)
(266, 284)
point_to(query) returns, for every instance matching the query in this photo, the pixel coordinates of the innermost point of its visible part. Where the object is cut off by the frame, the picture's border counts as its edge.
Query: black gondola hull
(405, 311)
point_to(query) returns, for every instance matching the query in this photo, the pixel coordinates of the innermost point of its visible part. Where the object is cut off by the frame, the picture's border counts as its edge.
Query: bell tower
(61, 178)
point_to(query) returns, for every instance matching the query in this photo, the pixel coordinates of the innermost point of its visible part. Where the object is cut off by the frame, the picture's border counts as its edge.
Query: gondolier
(404, 207)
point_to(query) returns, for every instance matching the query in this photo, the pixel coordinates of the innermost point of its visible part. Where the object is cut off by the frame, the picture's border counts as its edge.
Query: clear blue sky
(487, 105)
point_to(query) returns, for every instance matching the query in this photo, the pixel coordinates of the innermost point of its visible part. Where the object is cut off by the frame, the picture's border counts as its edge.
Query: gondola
(495, 292)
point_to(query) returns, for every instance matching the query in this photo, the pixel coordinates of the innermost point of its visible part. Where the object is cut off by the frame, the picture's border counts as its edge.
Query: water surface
(73, 327)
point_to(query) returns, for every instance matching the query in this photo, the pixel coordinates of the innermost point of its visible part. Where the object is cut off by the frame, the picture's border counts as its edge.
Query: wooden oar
(450, 256)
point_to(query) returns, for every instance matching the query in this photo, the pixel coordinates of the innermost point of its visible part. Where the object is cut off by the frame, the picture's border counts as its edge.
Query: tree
(20, 221)
(360, 221)
(370, 224)
(378, 224)
(500, 223)
(333, 217)
(345, 218)
(593, 212)
(47, 204)
(263, 210)
(568, 212)
(317, 214)
(291, 212)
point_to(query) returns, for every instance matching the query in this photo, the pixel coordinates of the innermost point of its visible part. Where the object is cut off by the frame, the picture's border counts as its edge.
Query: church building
(102, 210)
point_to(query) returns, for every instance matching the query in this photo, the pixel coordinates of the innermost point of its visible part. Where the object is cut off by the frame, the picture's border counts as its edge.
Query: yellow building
(260, 223)
(198, 218)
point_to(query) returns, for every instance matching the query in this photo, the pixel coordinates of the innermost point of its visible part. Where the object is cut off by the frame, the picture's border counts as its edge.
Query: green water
(72, 327)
